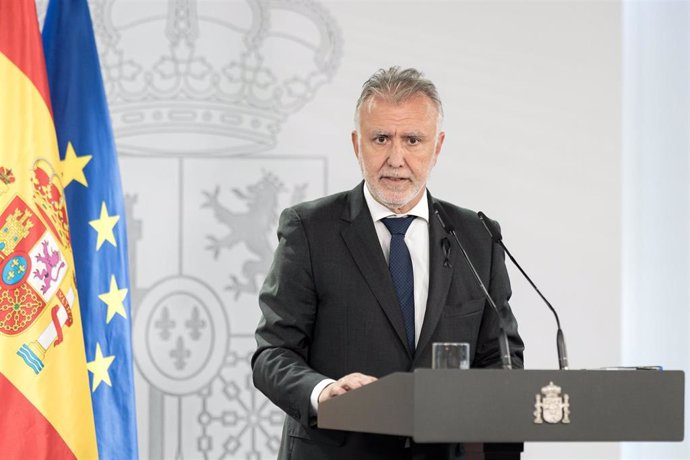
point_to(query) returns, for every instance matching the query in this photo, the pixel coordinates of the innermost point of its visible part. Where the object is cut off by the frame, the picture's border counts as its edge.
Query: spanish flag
(45, 402)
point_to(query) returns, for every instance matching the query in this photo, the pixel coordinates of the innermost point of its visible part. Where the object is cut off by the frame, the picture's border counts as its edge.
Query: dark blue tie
(400, 266)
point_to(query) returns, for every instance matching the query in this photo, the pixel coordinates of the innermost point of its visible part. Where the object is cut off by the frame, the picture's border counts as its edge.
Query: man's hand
(345, 384)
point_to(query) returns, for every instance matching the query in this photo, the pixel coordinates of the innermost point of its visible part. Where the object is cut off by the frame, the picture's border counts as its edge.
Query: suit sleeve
(288, 303)
(488, 353)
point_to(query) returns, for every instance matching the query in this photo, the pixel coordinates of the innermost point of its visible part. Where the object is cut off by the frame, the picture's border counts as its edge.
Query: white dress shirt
(417, 241)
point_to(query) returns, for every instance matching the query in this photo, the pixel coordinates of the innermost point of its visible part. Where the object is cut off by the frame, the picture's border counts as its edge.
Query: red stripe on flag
(20, 41)
(27, 432)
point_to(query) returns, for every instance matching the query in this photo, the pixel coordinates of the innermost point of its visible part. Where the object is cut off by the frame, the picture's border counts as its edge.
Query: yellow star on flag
(72, 167)
(104, 226)
(99, 367)
(114, 299)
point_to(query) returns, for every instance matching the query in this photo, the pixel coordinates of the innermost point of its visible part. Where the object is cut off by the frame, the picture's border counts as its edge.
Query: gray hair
(397, 86)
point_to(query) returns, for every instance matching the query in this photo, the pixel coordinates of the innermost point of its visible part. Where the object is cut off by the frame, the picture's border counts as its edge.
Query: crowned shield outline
(550, 406)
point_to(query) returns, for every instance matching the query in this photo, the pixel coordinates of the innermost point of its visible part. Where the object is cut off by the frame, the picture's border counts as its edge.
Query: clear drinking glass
(450, 355)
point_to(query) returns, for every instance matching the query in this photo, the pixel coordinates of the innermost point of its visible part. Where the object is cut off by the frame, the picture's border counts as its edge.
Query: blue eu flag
(91, 178)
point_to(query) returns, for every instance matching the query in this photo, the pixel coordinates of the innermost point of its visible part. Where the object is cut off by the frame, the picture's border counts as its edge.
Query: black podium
(499, 406)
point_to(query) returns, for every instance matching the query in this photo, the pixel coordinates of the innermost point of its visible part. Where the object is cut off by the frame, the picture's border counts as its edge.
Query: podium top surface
(495, 405)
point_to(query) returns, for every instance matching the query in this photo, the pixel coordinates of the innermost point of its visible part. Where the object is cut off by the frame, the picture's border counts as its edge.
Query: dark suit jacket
(329, 309)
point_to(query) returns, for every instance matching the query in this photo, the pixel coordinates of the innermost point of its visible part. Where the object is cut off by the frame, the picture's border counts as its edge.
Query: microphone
(497, 238)
(503, 337)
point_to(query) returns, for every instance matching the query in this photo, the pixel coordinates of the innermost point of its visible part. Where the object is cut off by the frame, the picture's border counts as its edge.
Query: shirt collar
(379, 211)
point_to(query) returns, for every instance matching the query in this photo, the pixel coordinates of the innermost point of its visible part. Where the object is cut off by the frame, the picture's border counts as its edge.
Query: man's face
(397, 145)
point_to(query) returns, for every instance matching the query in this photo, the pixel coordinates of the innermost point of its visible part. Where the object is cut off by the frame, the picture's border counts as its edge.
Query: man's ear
(439, 144)
(355, 142)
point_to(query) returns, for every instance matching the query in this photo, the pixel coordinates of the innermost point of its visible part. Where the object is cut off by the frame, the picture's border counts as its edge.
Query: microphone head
(443, 218)
(491, 228)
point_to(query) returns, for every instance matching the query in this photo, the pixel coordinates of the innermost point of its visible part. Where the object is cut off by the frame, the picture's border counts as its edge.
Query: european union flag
(93, 191)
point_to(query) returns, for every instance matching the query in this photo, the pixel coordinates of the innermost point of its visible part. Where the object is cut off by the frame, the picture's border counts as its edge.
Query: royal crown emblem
(550, 407)
(210, 99)
(49, 198)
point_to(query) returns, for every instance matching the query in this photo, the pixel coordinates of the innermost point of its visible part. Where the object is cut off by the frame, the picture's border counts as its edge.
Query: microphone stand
(506, 360)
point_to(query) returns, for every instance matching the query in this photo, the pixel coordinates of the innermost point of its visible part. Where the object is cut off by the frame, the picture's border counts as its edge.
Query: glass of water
(450, 355)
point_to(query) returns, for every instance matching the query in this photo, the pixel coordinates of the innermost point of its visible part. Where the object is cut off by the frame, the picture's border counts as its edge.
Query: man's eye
(380, 139)
(413, 140)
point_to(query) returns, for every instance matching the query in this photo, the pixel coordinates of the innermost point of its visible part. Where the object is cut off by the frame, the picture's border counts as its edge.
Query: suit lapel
(362, 242)
(440, 275)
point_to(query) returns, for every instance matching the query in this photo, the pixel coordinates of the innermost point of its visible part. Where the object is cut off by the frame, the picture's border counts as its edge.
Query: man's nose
(396, 159)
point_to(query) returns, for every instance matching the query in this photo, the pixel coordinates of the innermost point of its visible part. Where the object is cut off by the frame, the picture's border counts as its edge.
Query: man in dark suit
(363, 282)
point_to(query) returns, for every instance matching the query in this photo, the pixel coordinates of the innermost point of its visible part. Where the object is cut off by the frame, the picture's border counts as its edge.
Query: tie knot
(397, 225)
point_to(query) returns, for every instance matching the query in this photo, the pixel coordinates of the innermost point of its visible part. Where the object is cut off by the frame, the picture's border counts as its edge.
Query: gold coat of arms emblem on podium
(550, 406)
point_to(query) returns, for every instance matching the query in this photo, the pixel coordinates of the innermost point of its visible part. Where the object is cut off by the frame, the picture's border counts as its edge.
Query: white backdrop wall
(227, 111)
(656, 194)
